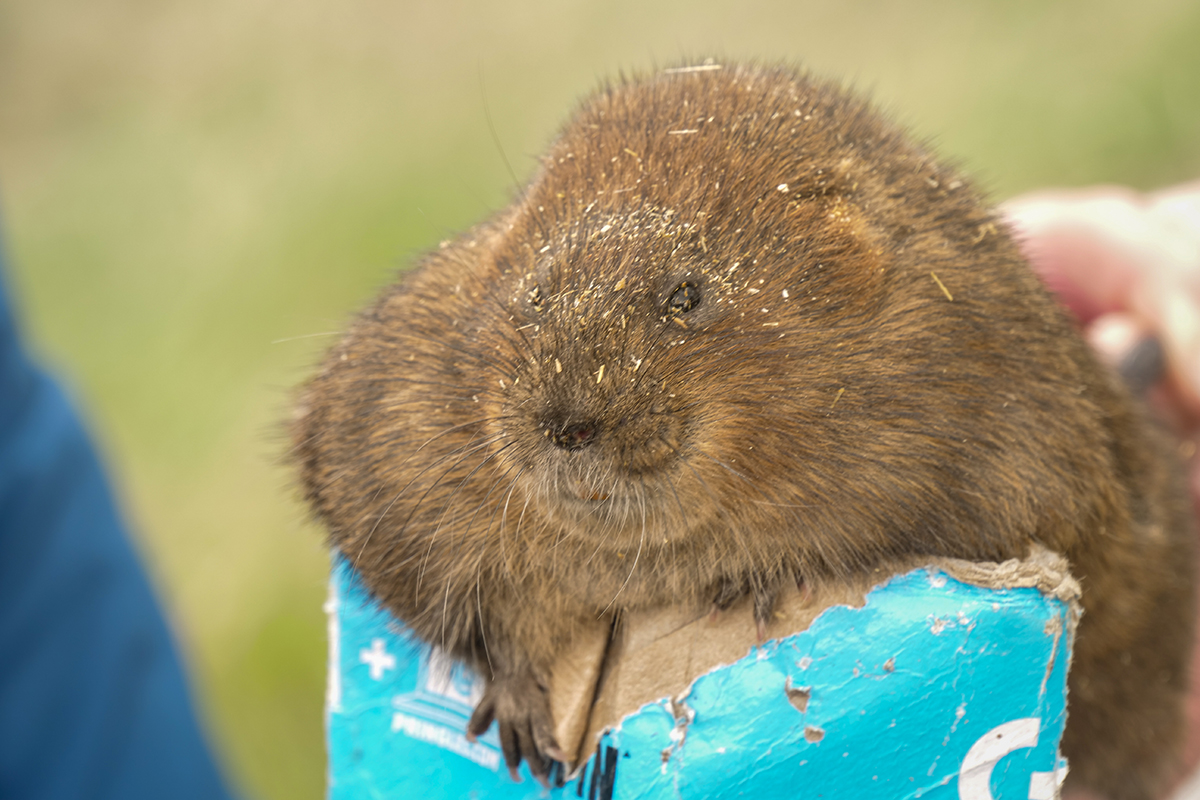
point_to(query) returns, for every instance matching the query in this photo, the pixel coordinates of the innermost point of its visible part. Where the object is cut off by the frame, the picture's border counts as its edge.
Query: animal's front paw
(521, 708)
(764, 591)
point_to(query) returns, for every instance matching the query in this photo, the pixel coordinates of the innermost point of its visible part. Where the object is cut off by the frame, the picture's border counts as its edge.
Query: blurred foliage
(196, 195)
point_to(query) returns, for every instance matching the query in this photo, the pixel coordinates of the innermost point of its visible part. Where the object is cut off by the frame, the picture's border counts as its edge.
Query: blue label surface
(934, 688)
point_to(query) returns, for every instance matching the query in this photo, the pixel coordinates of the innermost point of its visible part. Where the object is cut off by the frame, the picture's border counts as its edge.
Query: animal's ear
(874, 230)
(840, 238)
(856, 241)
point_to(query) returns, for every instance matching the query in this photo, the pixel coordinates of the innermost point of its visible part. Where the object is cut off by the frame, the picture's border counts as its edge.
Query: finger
(728, 592)
(481, 718)
(511, 749)
(1180, 331)
(1129, 347)
(1121, 341)
(1109, 249)
(1091, 247)
(537, 764)
(1143, 365)
(1114, 336)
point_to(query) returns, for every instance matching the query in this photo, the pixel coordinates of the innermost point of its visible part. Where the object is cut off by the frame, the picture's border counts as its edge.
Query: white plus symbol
(377, 658)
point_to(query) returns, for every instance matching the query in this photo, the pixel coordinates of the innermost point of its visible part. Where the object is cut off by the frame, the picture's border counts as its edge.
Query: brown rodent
(739, 330)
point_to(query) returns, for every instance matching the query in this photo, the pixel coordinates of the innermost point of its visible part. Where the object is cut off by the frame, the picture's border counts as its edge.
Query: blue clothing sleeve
(93, 702)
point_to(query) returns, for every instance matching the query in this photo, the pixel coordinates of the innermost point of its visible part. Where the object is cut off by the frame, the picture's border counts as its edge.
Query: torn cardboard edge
(649, 654)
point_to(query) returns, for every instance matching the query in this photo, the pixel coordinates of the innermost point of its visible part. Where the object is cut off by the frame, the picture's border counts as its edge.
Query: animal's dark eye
(683, 299)
(535, 298)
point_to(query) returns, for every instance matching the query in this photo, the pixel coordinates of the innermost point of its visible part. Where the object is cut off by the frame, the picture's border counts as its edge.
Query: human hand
(1128, 265)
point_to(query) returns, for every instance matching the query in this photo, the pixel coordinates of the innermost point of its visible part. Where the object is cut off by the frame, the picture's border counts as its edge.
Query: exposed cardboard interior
(657, 653)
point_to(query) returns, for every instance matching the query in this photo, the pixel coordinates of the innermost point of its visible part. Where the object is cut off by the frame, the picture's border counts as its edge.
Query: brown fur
(522, 434)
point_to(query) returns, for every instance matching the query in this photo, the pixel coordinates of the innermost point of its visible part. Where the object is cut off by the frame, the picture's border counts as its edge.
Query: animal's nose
(576, 436)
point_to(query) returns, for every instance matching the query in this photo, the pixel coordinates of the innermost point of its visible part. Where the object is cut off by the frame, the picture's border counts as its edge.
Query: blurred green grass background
(195, 195)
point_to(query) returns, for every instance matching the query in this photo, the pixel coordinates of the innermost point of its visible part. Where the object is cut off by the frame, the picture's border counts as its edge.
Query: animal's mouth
(615, 510)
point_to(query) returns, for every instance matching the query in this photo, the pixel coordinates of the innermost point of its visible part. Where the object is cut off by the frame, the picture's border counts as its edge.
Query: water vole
(737, 331)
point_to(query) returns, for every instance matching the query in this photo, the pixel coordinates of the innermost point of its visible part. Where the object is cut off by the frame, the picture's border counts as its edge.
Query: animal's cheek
(737, 447)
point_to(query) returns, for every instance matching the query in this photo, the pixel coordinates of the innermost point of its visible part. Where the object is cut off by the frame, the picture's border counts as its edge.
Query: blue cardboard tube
(933, 688)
